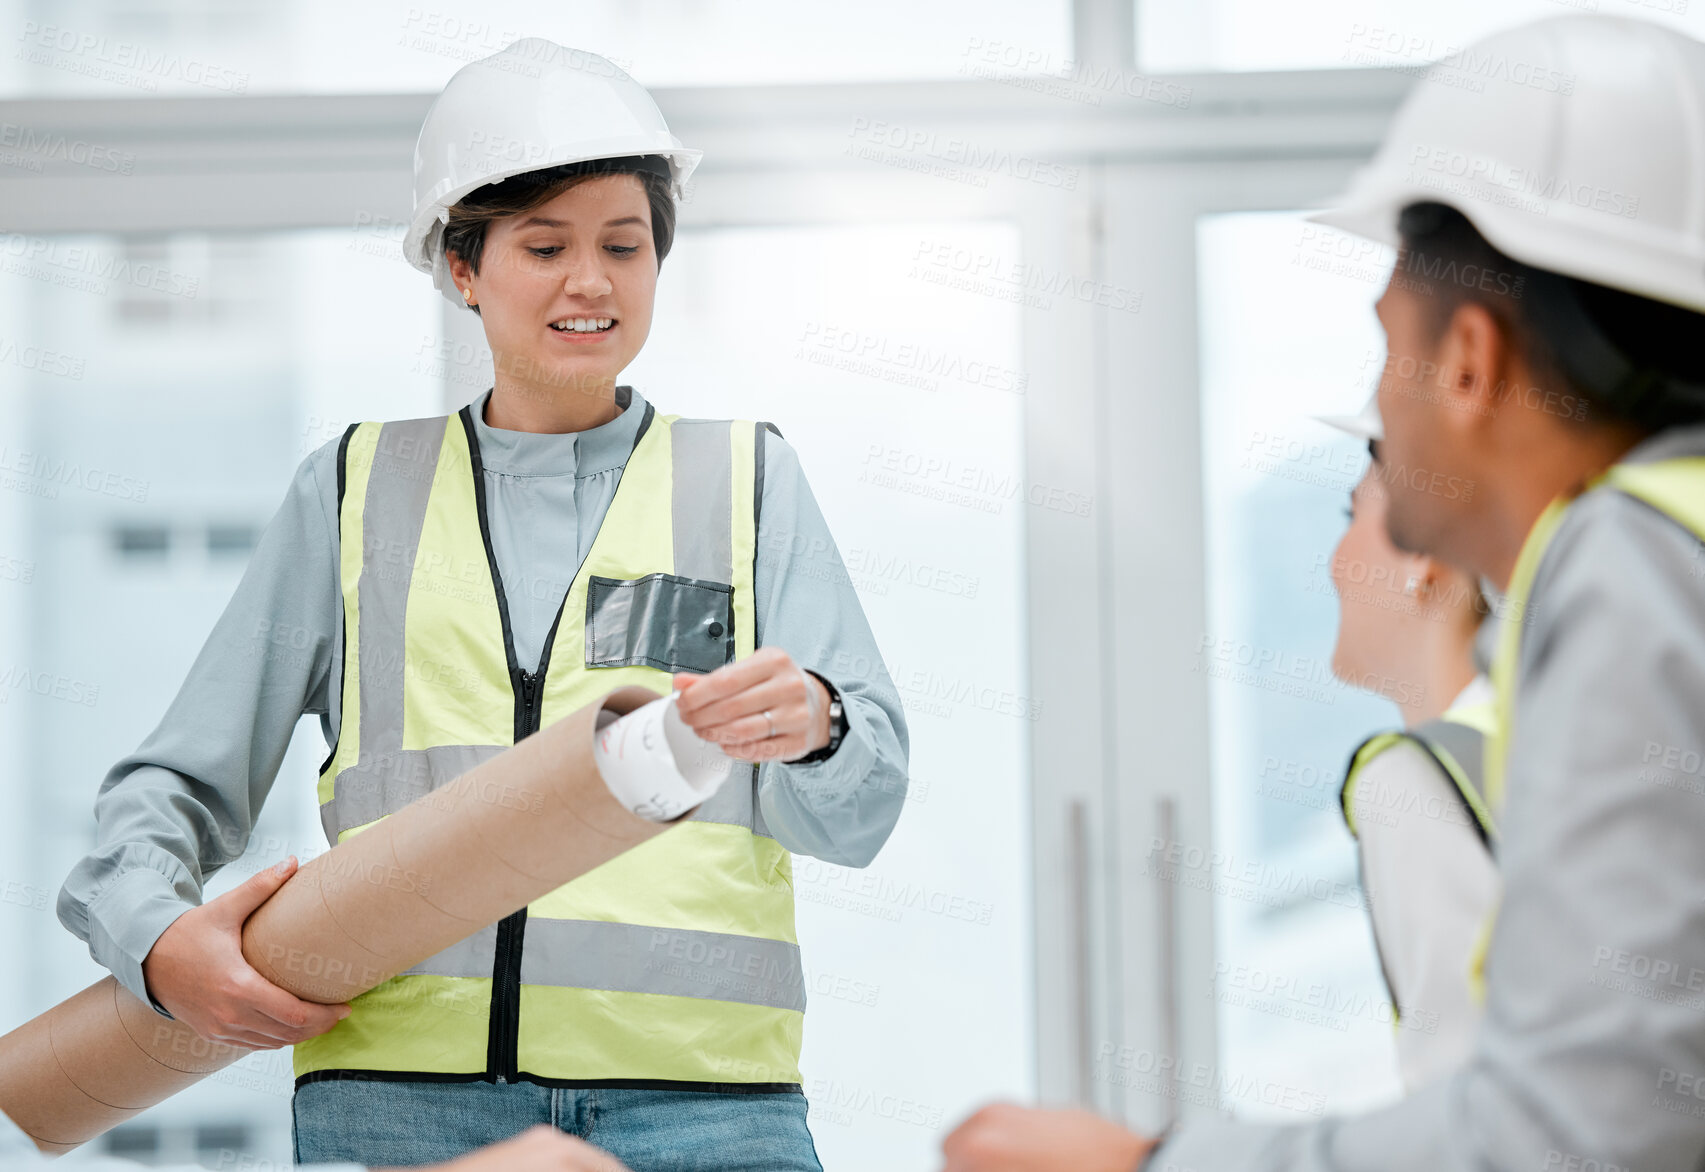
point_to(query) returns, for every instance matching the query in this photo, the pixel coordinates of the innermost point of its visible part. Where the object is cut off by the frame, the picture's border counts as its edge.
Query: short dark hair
(1637, 361)
(473, 214)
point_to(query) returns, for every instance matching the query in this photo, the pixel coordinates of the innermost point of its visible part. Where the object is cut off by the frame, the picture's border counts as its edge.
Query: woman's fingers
(747, 737)
(762, 708)
(732, 679)
(249, 1040)
(741, 715)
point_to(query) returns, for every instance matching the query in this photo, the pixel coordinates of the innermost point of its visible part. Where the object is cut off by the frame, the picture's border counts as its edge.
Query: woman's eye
(544, 252)
(623, 249)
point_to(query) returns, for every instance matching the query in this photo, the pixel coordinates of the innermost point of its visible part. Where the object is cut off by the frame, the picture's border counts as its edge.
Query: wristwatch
(837, 727)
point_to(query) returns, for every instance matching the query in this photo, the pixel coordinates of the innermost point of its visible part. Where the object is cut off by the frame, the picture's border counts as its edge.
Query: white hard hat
(1575, 144)
(531, 105)
(1364, 424)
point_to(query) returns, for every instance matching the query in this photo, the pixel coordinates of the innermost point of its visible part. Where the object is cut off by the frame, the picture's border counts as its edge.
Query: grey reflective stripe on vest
(703, 458)
(392, 515)
(1466, 747)
(678, 962)
(376, 786)
(736, 804)
(471, 957)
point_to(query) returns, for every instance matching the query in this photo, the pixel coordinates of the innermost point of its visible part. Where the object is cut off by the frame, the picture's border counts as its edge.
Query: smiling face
(565, 289)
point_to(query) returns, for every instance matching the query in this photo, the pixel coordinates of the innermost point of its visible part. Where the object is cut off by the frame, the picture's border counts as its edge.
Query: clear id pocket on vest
(661, 620)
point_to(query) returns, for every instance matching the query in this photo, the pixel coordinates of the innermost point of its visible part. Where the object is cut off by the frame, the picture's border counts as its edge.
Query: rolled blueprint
(654, 764)
(465, 855)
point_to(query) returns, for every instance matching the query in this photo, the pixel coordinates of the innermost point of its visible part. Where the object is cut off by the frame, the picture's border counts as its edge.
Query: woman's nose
(586, 277)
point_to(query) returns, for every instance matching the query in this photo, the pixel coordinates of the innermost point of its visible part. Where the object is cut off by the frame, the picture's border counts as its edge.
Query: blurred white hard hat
(1574, 144)
(531, 105)
(1364, 424)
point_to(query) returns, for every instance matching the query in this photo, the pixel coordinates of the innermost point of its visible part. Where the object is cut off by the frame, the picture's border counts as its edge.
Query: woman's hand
(197, 971)
(728, 706)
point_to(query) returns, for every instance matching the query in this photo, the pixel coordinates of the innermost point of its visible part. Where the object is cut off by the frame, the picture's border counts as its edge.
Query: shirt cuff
(128, 915)
(821, 783)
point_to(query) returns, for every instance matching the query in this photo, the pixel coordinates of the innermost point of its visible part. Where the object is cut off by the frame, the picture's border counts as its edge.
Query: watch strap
(837, 726)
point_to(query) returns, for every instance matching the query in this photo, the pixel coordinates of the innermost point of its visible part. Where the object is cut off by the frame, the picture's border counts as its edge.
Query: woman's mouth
(577, 329)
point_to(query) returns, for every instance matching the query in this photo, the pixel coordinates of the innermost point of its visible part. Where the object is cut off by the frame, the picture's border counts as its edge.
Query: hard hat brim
(1352, 425)
(1374, 220)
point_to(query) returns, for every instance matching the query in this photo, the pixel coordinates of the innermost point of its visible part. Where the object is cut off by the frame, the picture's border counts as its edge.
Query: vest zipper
(504, 1041)
(528, 688)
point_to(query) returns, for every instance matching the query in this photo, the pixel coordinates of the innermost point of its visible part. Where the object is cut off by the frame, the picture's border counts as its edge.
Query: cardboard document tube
(454, 860)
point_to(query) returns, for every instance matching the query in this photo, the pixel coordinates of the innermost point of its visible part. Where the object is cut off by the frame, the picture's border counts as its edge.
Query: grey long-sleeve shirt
(1592, 1049)
(183, 805)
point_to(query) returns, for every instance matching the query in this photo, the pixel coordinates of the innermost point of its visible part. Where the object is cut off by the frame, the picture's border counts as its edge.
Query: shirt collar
(578, 453)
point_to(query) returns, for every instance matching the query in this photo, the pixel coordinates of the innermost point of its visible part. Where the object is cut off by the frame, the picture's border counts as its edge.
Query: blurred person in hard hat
(1549, 296)
(460, 580)
(1414, 798)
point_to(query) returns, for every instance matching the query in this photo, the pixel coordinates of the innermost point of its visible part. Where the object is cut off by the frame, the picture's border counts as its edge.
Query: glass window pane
(1187, 36)
(1287, 331)
(187, 47)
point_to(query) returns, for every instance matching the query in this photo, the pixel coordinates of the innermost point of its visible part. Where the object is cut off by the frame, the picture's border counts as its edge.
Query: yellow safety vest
(674, 965)
(1675, 488)
(1455, 741)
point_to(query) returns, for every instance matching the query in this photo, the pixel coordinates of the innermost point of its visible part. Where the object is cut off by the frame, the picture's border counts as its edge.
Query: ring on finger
(772, 723)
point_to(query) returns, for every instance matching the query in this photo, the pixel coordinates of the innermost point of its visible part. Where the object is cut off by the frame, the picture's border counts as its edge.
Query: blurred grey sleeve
(843, 808)
(184, 803)
(1592, 1049)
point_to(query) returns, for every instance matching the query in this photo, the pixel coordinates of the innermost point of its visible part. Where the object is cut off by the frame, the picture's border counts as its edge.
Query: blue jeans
(377, 1122)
